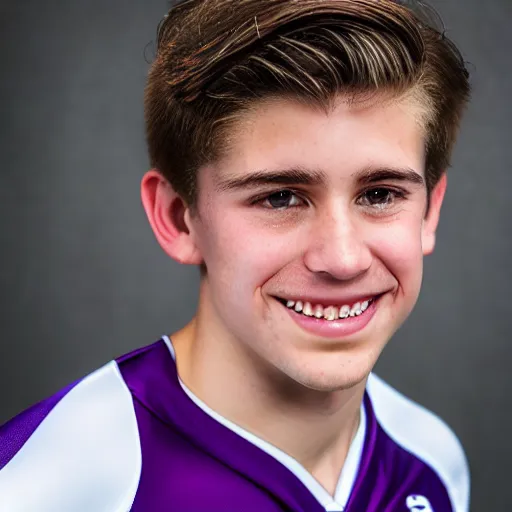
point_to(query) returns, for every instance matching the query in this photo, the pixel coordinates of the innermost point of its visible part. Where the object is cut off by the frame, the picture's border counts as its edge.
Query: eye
(280, 200)
(381, 197)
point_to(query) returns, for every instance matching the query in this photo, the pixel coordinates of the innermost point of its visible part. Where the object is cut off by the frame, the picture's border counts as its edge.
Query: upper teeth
(329, 312)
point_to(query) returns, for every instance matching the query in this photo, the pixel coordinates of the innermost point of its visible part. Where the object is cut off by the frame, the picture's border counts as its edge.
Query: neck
(314, 427)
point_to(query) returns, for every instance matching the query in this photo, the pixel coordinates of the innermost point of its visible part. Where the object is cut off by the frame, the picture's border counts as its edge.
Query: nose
(336, 246)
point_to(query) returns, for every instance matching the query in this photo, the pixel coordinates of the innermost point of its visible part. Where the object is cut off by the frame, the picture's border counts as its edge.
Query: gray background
(82, 279)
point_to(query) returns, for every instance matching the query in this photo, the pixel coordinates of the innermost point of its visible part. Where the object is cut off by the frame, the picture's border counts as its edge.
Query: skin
(243, 354)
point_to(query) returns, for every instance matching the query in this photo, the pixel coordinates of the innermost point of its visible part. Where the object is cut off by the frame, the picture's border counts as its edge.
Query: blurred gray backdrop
(83, 280)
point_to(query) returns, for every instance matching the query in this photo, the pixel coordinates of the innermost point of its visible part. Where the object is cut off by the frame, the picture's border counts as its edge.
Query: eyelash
(397, 193)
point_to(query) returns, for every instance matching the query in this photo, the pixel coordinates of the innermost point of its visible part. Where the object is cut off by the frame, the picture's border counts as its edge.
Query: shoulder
(78, 450)
(424, 435)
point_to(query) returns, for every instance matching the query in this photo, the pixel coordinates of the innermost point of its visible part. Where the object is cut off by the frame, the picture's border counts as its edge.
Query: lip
(334, 329)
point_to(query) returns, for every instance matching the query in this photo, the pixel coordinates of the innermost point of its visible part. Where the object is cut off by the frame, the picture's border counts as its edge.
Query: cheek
(400, 250)
(241, 255)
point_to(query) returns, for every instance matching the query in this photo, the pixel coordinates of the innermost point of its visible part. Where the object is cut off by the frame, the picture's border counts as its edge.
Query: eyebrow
(310, 177)
(371, 175)
(291, 176)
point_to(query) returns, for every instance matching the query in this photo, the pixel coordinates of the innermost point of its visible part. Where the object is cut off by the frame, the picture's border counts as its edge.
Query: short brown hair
(217, 58)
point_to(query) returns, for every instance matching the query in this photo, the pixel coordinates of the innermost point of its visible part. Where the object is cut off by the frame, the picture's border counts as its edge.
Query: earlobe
(431, 221)
(169, 218)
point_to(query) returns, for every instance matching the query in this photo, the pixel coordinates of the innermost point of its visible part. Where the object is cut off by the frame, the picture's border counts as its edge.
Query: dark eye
(281, 200)
(380, 197)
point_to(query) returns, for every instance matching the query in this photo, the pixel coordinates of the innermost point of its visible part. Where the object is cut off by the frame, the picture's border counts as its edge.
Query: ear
(430, 222)
(169, 218)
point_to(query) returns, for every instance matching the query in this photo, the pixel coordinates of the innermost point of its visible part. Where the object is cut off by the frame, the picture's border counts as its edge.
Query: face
(313, 230)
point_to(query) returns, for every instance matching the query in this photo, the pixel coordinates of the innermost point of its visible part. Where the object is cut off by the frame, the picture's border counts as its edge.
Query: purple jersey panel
(389, 475)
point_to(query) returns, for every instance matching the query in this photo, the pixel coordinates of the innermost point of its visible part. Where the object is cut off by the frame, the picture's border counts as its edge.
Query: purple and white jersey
(132, 437)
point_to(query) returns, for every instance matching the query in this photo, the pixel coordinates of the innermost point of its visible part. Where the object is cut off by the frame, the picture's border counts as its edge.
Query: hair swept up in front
(215, 59)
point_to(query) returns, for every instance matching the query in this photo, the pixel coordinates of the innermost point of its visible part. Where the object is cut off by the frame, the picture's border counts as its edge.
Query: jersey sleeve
(16, 432)
(77, 451)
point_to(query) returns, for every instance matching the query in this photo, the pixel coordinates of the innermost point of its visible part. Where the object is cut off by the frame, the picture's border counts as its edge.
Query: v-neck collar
(157, 384)
(347, 476)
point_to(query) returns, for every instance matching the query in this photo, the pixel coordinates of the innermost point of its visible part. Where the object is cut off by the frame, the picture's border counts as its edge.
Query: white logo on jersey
(417, 503)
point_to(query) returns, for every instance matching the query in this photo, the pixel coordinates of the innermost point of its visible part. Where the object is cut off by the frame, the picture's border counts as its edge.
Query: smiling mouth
(328, 313)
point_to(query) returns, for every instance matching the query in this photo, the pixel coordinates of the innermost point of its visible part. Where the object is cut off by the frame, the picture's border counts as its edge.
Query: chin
(331, 385)
(336, 374)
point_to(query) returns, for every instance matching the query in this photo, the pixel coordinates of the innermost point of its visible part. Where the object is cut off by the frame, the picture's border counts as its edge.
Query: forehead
(285, 133)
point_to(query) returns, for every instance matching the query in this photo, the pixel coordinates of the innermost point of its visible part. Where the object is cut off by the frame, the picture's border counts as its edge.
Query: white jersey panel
(85, 456)
(425, 435)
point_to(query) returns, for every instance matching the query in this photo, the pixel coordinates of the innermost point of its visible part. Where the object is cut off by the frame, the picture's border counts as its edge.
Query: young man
(299, 150)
